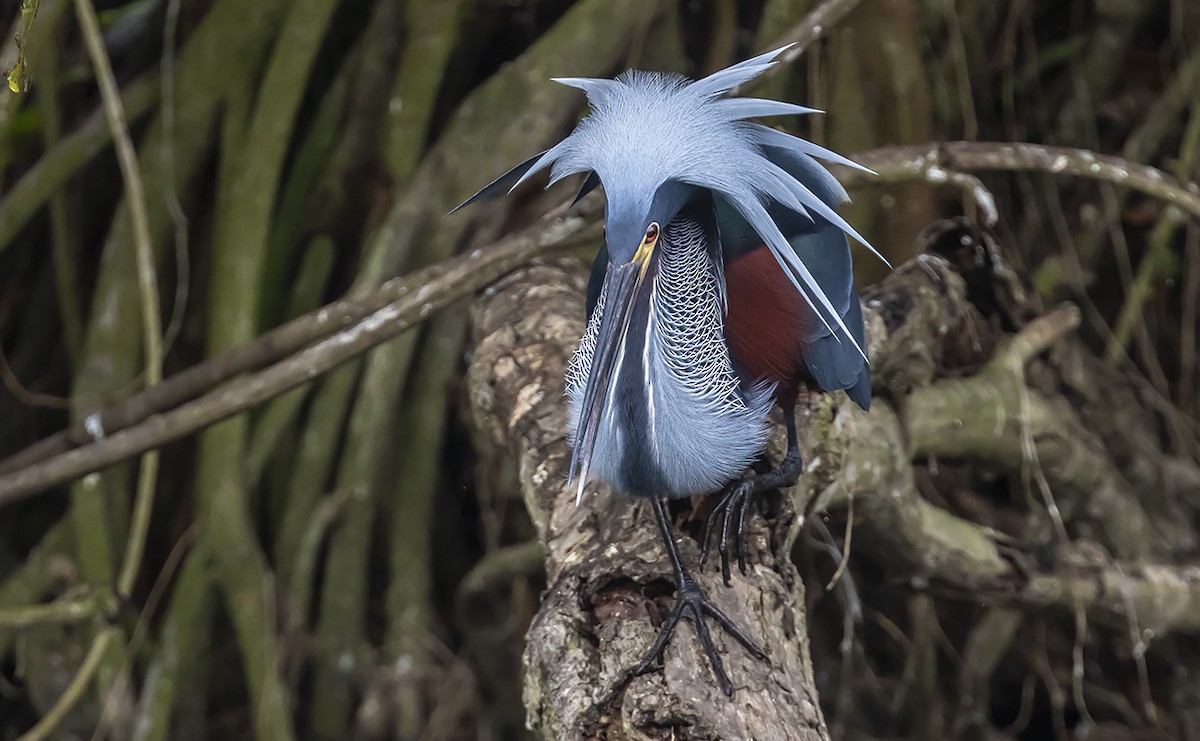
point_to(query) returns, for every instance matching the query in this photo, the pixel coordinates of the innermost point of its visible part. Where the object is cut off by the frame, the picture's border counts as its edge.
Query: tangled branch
(603, 562)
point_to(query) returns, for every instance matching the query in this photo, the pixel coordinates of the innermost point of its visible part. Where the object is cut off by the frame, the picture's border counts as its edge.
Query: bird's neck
(688, 308)
(703, 427)
(677, 421)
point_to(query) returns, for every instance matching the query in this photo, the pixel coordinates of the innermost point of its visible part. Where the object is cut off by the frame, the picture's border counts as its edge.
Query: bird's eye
(651, 233)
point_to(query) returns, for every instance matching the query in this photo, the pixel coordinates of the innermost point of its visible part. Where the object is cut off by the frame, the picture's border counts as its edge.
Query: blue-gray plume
(648, 128)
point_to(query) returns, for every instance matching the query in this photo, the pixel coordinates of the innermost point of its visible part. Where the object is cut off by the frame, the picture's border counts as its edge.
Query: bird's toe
(691, 605)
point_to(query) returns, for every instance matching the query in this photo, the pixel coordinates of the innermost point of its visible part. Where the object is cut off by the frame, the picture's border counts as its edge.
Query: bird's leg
(731, 510)
(691, 604)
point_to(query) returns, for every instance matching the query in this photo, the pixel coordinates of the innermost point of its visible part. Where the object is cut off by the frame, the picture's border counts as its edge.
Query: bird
(724, 288)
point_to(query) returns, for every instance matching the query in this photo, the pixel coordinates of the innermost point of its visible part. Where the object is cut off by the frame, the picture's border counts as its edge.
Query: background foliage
(342, 561)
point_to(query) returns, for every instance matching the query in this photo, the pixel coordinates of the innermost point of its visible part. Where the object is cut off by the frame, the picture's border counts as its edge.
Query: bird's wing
(833, 362)
(822, 247)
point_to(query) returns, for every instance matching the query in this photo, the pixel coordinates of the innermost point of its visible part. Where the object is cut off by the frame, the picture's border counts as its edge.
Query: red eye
(652, 232)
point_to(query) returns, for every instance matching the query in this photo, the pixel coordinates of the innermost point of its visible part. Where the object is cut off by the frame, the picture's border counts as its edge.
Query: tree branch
(804, 34)
(402, 303)
(937, 550)
(943, 162)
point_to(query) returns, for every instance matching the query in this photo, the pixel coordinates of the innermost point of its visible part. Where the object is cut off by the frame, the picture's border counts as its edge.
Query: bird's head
(653, 140)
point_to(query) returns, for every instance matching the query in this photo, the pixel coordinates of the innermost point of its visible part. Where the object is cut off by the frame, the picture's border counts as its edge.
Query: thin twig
(147, 279)
(1031, 463)
(302, 583)
(179, 219)
(62, 611)
(152, 337)
(847, 539)
(936, 161)
(1187, 330)
(25, 395)
(1139, 644)
(418, 295)
(1078, 667)
(805, 33)
(141, 629)
(62, 707)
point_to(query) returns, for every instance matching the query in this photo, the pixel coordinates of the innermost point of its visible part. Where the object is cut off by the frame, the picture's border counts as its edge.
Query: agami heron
(724, 287)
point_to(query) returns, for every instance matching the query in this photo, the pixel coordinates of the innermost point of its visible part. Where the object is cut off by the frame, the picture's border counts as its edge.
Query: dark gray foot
(730, 512)
(691, 604)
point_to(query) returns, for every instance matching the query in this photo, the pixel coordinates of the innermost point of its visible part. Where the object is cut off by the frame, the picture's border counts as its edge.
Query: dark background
(297, 151)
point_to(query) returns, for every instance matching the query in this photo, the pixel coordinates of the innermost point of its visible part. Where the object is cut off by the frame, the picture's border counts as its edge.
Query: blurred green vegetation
(305, 560)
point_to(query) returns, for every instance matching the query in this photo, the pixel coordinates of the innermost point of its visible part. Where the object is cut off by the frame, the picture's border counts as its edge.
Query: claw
(664, 635)
(738, 495)
(732, 629)
(690, 604)
(709, 524)
(740, 543)
(731, 512)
